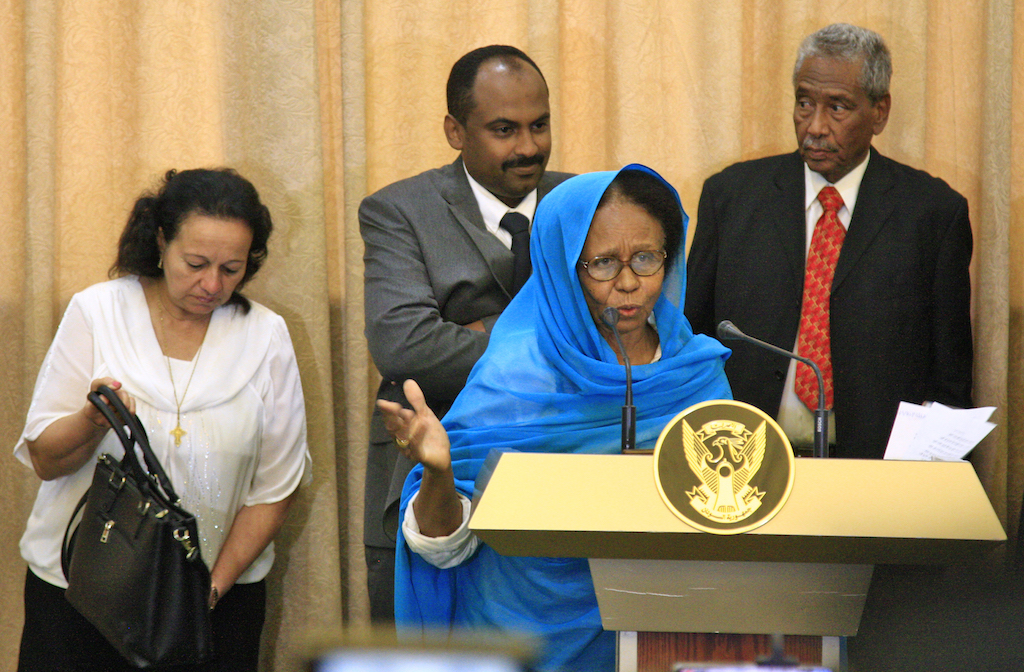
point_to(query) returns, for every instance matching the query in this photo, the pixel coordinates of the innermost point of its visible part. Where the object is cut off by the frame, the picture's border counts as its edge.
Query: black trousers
(380, 583)
(56, 638)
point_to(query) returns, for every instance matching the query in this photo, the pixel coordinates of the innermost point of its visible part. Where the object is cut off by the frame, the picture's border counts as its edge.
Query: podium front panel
(730, 597)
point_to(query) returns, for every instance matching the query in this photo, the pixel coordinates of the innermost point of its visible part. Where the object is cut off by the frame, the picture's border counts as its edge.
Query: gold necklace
(177, 432)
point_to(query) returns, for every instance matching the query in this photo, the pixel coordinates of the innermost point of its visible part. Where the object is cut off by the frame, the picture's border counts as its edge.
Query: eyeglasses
(643, 263)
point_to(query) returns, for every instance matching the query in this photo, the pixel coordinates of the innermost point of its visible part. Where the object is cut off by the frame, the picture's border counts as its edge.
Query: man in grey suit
(440, 266)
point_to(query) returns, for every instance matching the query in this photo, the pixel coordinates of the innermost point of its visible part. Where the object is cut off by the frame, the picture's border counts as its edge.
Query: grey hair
(849, 43)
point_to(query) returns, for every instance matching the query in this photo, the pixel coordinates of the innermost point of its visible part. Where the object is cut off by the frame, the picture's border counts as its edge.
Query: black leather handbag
(133, 564)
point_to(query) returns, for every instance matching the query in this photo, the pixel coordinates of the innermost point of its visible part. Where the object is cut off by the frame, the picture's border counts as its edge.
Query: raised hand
(419, 435)
(417, 432)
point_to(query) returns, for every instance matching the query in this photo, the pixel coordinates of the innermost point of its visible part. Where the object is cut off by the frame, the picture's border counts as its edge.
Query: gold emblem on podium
(724, 467)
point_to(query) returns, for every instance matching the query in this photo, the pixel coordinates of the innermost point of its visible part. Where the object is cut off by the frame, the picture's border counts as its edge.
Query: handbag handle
(117, 424)
(104, 396)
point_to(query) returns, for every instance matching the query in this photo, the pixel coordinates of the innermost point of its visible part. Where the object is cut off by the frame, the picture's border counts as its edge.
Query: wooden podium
(805, 572)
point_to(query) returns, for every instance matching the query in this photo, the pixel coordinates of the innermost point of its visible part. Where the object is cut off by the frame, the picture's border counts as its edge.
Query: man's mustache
(819, 143)
(523, 162)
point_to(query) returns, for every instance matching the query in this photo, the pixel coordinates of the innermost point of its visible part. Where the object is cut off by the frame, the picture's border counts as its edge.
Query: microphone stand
(610, 316)
(729, 331)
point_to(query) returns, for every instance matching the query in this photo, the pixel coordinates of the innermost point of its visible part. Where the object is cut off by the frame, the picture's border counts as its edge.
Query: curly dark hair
(657, 199)
(220, 193)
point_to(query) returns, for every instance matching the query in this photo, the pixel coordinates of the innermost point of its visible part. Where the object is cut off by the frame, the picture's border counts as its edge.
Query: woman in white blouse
(213, 378)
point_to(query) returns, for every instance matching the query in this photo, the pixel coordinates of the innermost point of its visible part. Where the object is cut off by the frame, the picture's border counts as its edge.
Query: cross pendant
(177, 433)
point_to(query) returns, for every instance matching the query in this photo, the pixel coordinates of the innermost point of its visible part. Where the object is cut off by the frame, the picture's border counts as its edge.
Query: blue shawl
(549, 382)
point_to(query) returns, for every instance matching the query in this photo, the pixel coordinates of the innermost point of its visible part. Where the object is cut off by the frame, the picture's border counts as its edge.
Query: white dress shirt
(493, 210)
(796, 420)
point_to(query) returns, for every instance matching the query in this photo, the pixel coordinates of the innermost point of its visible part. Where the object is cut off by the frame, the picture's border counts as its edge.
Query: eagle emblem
(724, 456)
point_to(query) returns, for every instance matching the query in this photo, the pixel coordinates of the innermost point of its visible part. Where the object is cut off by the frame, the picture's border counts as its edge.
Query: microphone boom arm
(610, 316)
(728, 331)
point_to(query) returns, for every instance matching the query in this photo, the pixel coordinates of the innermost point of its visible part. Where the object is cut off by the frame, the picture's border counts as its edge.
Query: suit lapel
(787, 212)
(455, 190)
(457, 193)
(870, 213)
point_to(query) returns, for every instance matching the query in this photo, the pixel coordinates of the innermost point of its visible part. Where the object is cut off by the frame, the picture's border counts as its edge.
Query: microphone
(610, 316)
(729, 331)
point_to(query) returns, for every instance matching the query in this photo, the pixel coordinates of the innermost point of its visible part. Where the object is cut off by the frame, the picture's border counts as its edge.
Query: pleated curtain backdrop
(320, 102)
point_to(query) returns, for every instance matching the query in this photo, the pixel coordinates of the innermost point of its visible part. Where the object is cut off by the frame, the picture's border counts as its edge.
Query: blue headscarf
(549, 382)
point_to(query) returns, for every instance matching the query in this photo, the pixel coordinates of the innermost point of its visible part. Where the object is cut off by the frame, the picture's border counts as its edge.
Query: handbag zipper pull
(106, 531)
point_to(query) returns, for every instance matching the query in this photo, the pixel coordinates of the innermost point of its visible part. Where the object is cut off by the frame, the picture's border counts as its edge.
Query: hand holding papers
(937, 432)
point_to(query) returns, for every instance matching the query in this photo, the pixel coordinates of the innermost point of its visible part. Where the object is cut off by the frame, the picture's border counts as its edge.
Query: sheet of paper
(904, 429)
(937, 432)
(980, 414)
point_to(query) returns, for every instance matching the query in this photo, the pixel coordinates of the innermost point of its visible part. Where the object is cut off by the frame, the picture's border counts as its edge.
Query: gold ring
(401, 443)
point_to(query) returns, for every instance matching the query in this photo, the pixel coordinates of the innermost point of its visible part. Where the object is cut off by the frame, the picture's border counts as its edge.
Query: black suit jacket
(900, 306)
(431, 265)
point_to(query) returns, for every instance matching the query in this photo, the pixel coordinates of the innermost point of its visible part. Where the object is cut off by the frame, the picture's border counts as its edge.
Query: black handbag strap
(65, 547)
(118, 419)
(138, 436)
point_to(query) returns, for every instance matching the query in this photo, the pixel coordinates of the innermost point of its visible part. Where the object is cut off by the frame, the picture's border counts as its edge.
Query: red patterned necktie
(814, 341)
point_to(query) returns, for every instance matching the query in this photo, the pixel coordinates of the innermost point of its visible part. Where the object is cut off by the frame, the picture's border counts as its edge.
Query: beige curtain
(320, 102)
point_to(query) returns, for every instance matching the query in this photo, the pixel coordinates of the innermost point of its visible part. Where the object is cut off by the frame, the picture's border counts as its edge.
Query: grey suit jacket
(430, 266)
(900, 305)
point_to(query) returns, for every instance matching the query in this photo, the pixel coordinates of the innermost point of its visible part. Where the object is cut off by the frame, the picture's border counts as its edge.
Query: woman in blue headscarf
(552, 380)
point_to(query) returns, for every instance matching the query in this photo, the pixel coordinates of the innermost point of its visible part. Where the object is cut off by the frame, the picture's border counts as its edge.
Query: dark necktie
(815, 342)
(519, 226)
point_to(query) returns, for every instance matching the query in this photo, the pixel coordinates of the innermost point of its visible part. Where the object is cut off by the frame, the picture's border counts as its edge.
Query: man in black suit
(899, 322)
(440, 267)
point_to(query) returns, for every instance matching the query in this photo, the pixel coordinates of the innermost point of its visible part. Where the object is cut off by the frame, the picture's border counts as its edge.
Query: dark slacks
(56, 638)
(380, 582)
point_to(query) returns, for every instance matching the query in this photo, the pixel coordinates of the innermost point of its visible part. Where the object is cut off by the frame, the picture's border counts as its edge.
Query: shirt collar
(493, 210)
(848, 186)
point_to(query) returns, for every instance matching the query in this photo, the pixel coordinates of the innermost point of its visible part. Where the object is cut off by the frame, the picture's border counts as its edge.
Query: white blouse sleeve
(284, 462)
(64, 378)
(441, 552)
